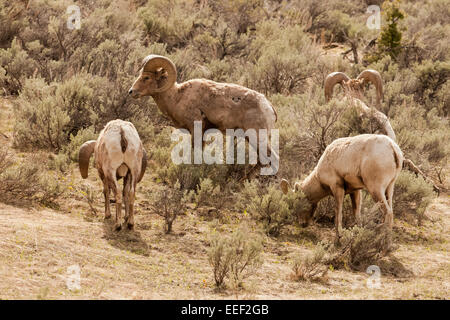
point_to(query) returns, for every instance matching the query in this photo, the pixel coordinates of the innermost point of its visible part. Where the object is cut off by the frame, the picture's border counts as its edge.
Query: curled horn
(143, 165)
(153, 63)
(330, 82)
(285, 186)
(373, 76)
(84, 155)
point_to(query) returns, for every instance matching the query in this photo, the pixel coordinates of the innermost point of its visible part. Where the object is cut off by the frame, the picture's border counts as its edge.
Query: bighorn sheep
(354, 89)
(118, 153)
(218, 105)
(368, 161)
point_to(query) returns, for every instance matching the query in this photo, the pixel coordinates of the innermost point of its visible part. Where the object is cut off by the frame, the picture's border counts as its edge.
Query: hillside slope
(38, 247)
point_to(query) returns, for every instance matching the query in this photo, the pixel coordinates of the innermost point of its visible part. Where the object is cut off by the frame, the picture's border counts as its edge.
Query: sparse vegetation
(412, 194)
(362, 245)
(208, 194)
(266, 205)
(169, 204)
(22, 181)
(310, 267)
(235, 257)
(59, 87)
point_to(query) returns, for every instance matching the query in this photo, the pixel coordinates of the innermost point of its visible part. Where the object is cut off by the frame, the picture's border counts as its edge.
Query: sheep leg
(131, 198)
(107, 207)
(266, 153)
(356, 205)
(380, 196)
(125, 194)
(106, 195)
(338, 194)
(118, 196)
(390, 194)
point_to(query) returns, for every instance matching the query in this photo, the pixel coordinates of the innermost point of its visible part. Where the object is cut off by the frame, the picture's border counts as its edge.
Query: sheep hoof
(130, 226)
(118, 227)
(337, 241)
(107, 216)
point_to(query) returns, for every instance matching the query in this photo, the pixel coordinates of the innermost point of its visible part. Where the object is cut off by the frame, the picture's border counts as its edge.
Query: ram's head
(354, 87)
(157, 74)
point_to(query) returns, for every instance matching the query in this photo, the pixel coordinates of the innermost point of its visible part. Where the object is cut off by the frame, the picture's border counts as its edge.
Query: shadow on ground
(125, 239)
(392, 266)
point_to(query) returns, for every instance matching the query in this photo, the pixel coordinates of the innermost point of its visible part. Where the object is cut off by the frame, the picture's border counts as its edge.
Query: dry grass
(37, 247)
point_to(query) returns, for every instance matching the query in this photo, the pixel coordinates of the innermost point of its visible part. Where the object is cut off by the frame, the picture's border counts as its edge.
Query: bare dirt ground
(38, 247)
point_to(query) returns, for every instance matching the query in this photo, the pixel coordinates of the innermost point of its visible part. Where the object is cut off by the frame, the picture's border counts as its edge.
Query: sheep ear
(84, 155)
(284, 185)
(143, 165)
(161, 73)
(296, 187)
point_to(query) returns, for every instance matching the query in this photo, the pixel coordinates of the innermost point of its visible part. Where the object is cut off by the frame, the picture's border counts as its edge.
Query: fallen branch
(409, 165)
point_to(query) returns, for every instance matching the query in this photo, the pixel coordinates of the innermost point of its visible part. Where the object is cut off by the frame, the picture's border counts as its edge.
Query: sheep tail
(398, 163)
(123, 140)
(276, 115)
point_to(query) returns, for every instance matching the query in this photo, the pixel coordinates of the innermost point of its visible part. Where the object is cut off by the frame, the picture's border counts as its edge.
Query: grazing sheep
(218, 105)
(367, 161)
(354, 91)
(118, 153)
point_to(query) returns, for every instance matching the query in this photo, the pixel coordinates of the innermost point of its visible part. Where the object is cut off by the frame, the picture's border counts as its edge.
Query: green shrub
(40, 121)
(363, 245)
(172, 27)
(24, 181)
(72, 149)
(311, 266)
(169, 203)
(285, 59)
(208, 194)
(48, 116)
(426, 31)
(15, 67)
(59, 162)
(412, 195)
(267, 205)
(389, 40)
(431, 76)
(236, 257)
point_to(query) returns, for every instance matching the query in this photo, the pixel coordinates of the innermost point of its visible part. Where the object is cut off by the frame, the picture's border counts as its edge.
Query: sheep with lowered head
(348, 165)
(354, 93)
(118, 153)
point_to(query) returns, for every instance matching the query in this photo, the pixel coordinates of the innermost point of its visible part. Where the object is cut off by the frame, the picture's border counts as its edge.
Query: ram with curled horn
(354, 92)
(217, 105)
